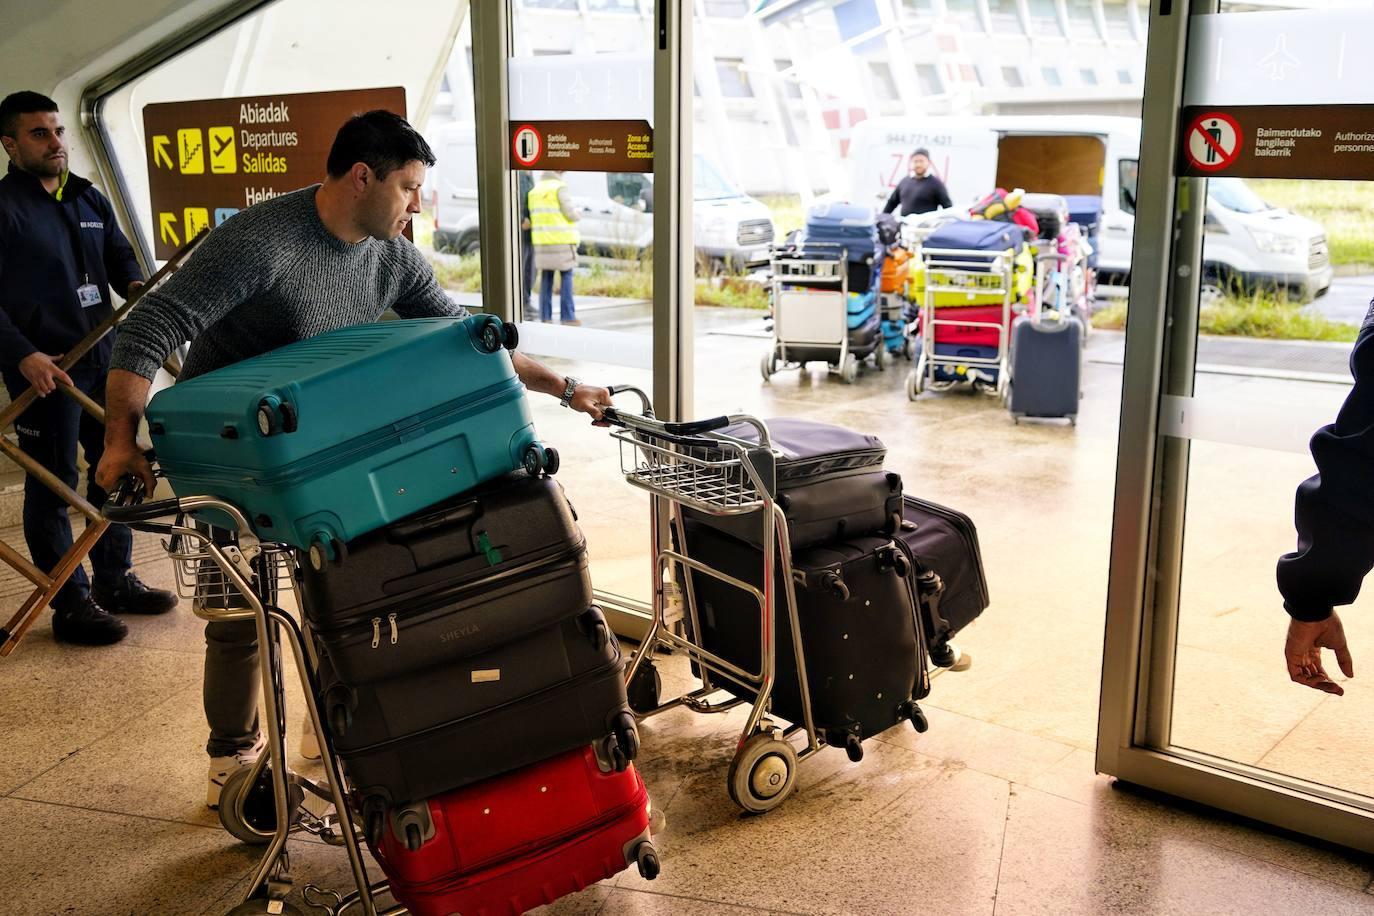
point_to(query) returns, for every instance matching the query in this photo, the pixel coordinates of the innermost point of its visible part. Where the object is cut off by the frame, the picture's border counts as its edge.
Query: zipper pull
(376, 632)
(391, 619)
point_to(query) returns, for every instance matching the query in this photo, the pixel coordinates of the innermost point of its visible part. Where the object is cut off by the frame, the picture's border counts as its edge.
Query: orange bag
(894, 270)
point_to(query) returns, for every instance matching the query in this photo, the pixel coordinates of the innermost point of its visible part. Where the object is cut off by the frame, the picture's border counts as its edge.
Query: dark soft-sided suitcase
(1051, 212)
(518, 841)
(473, 572)
(830, 484)
(865, 646)
(977, 235)
(408, 738)
(943, 543)
(1046, 368)
(326, 439)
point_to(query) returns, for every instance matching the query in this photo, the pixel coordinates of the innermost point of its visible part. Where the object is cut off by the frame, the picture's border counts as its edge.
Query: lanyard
(71, 215)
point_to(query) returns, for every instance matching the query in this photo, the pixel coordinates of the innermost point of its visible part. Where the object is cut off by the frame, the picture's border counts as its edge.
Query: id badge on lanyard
(88, 294)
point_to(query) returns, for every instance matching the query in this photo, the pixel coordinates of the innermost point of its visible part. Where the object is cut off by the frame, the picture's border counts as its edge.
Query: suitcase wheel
(340, 701)
(763, 773)
(512, 335)
(593, 626)
(835, 583)
(276, 416)
(374, 820)
(325, 550)
(626, 735)
(540, 458)
(492, 336)
(918, 718)
(646, 858)
(854, 747)
(414, 838)
(643, 690)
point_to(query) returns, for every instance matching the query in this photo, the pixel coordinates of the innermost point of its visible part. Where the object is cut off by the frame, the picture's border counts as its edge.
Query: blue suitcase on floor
(332, 437)
(852, 227)
(1046, 368)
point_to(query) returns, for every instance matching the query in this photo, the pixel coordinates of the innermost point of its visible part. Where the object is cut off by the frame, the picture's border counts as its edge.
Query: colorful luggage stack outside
(882, 580)
(473, 693)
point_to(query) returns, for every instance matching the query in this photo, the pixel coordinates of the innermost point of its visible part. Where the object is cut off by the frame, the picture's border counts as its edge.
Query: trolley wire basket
(699, 473)
(199, 577)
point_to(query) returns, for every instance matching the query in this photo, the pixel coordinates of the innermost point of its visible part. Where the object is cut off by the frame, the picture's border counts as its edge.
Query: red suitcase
(966, 335)
(519, 840)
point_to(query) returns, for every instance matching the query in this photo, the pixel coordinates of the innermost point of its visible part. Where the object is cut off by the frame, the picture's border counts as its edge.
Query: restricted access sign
(1279, 141)
(582, 146)
(209, 159)
(1213, 141)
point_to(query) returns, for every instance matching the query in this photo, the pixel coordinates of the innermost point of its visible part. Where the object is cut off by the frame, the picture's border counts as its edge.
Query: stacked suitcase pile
(882, 580)
(473, 693)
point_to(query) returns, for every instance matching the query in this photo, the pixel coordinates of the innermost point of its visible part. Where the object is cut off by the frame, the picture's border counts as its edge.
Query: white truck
(1245, 241)
(615, 209)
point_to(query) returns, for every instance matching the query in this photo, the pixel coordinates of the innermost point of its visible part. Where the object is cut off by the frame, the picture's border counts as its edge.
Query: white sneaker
(310, 742)
(221, 768)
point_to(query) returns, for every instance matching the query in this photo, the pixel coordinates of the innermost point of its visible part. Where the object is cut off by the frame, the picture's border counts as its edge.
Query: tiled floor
(994, 810)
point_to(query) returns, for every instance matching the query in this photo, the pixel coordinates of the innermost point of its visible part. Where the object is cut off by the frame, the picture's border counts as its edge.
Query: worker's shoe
(221, 768)
(131, 596)
(87, 624)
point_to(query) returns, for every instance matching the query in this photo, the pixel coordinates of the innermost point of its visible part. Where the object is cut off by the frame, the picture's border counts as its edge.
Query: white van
(1246, 240)
(615, 209)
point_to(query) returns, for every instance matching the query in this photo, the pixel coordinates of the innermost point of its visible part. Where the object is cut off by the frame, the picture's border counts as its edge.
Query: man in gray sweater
(310, 261)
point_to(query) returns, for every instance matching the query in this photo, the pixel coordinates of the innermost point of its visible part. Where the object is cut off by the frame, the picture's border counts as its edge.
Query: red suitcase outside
(963, 334)
(519, 840)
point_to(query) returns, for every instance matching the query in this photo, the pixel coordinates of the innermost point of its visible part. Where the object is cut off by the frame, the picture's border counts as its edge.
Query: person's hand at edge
(1303, 653)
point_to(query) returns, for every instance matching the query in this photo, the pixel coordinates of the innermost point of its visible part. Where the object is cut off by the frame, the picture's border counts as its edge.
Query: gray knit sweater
(270, 276)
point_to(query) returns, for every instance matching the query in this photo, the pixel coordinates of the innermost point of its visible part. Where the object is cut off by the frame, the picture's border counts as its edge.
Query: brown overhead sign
(209, 159)
(1278, 141)
(582, 146)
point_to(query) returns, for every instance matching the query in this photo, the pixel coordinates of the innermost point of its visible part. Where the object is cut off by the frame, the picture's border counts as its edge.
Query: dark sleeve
(121, 265)
(942, 194)
(893, 200)
(14, 346)
(423, 298)
(1334, 510)
(221, 274)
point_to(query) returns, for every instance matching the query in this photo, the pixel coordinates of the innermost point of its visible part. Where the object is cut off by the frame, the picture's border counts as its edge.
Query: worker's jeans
(49, 432)
(565, 296)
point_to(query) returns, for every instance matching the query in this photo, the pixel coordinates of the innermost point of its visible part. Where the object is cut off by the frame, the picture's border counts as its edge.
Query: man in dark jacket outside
(1334, 513)
(61, 251)
(921, 191)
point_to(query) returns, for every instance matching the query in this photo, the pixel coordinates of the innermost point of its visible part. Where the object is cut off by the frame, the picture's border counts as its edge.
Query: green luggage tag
(492, 554)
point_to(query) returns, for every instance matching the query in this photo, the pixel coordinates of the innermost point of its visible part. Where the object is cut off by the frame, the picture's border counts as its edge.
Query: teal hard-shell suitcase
(335, 436)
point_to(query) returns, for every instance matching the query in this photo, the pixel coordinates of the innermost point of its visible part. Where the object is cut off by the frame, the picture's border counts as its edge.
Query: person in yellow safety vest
(555, 241)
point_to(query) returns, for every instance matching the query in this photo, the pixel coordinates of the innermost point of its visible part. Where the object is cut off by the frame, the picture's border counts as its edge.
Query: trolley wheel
(850, 370)
(913, 385)
(853, 747)
(909, 348)
(643, 691)
(646, 858)
(258, 823)
(768, 365)
(763, 773)
(883, 359)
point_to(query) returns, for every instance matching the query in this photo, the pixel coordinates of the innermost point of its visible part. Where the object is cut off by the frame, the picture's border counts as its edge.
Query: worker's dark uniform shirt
(41, 267)
(918, 195)
(1334, 510)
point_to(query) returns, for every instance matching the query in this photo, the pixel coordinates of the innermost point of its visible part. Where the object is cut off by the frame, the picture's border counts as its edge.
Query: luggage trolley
(962, 272)
(695, 466)
(810, 295)
(265, 803)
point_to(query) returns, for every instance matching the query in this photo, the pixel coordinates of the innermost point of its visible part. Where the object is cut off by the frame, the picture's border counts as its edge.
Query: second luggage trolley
(950, 274)
(264, 803)
(695, 466)
(811, 314)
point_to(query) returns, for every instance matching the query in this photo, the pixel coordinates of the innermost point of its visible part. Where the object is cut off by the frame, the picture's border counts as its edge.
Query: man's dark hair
(920, 151)
(381, 139)
(21, 103)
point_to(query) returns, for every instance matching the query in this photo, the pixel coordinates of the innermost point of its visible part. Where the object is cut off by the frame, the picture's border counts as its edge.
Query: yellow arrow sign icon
(160, 154)
(168, 223)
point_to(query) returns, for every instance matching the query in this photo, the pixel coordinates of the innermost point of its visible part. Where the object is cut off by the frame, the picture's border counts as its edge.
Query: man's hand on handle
(1303, 652)
(124, 460)
(43, 372)
(591, 400)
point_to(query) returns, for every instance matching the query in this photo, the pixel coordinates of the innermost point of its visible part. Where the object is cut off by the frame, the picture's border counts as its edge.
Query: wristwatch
(568, 391)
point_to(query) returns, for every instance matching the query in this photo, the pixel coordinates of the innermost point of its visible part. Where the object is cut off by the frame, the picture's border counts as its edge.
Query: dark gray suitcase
(943, 546)
(864, 643)
(1046, 368)
(411, 737)
(830, 484)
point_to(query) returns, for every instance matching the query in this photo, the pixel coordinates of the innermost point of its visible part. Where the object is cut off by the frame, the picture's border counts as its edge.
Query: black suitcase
(943, 546)
(469, 574)
(865, 648)
(830, 484)
(409, 738)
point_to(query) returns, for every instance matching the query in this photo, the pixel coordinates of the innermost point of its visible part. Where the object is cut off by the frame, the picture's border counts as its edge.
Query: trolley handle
(696, 427)
(125, 505)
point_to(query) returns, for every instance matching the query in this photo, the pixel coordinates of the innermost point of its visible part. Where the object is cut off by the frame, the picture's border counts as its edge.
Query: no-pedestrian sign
(209, 159)
(1213, 141)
